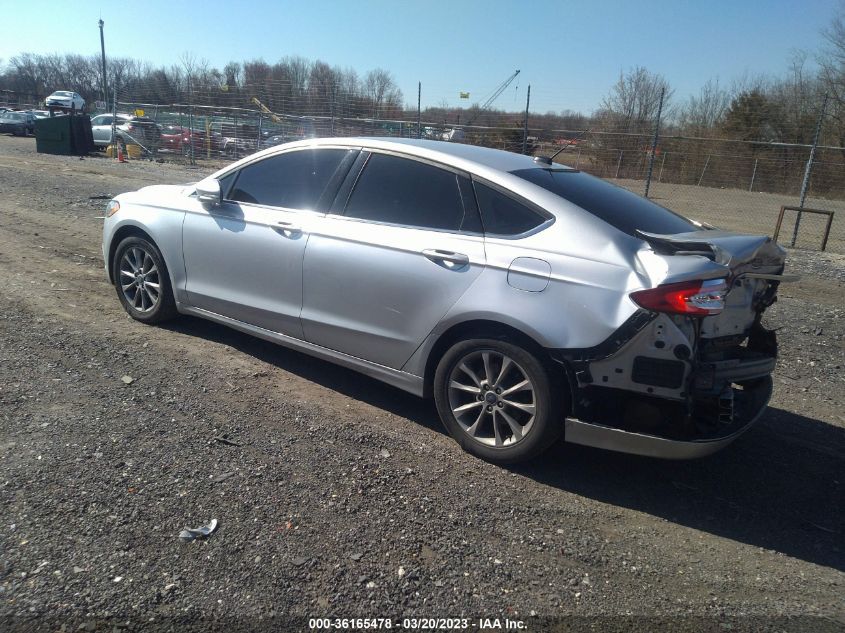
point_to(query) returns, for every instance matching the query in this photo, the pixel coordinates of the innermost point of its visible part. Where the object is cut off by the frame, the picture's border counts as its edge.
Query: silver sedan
(530, 300)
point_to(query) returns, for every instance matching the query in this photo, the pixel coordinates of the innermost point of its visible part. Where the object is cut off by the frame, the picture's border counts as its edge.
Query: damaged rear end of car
(691, 369)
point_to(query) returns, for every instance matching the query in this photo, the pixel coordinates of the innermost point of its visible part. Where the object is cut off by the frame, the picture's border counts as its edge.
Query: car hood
(156, 194)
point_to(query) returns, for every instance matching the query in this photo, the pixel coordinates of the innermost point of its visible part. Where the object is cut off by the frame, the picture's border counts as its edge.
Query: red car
(176, 138)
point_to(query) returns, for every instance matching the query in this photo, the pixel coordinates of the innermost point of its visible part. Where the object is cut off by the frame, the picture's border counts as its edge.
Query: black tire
(139, 260)
(501, 409)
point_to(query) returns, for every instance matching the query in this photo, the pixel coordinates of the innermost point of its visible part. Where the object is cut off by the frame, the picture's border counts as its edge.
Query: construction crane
(486, 105)
(273, 117)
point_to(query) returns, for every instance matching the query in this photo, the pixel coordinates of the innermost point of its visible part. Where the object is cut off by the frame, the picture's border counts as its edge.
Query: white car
(65, 99)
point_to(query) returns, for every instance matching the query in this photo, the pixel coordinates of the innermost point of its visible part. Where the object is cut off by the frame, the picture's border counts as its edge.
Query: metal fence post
(662, 162)
(806, 183)
(700, 178)
(753, 175)
(419, 112)
(525, 122)
(260, 121)
(654, 142)
(191, 130)
(619, 163)
(113, 120)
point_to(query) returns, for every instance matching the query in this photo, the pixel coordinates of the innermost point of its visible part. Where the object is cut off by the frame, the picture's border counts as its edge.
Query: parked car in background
(129, 130)
(65, 99)
(16, 123)
(176, 138)
(531, 300)
(453, 134)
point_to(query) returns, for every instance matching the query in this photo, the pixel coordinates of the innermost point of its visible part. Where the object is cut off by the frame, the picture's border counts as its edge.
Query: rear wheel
(142, 281)
(496, 399)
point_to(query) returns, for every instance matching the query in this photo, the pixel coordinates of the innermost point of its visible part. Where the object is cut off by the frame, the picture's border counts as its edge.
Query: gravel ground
(338, 496)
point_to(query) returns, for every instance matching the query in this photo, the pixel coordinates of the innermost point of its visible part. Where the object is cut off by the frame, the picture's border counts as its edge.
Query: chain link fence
(737, 185)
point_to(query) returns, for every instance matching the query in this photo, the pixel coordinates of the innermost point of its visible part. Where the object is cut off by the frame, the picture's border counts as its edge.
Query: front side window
(408, 192)
(294, 180)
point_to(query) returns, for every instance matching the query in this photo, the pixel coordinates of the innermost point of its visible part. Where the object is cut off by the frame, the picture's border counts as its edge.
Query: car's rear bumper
(614, 439)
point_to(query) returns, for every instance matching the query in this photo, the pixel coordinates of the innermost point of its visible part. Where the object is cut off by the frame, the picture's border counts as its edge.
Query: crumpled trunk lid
(752, 265)
(736, 251)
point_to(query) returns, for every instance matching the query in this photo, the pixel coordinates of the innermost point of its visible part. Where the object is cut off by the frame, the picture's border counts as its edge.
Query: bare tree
(832, 71)
(381, 89)
(633, 101)
(705, 111)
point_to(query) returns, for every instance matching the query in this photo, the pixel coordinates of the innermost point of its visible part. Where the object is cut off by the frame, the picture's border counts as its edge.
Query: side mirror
(208, 192)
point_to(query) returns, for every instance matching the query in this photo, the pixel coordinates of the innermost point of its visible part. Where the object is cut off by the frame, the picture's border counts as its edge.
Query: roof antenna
(547, 160)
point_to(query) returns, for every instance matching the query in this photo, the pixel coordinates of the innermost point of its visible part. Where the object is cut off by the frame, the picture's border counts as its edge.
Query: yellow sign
(139, 112)
(464, 95)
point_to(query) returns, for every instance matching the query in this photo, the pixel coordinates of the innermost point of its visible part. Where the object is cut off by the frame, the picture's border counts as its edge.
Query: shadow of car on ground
(778, 487)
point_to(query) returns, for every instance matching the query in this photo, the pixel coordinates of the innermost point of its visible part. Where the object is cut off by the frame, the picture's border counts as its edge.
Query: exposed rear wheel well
(490, 330)
(121, 234)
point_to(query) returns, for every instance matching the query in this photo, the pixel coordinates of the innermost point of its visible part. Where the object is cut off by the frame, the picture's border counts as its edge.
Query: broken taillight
(693, 298)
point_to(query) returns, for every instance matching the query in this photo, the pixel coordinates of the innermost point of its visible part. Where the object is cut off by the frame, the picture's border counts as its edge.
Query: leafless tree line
(781, 109)
(293, 85)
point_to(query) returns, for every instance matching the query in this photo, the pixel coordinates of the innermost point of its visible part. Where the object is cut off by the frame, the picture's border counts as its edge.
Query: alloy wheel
(492, 398)
(139, 279)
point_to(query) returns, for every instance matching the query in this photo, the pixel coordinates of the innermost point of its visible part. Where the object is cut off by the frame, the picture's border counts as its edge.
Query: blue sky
(570, 52)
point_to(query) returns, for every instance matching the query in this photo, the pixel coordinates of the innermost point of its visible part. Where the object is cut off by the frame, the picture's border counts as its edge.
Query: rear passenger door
(396, 252)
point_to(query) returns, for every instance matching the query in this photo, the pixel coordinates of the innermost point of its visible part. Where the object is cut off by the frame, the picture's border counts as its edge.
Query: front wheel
(142, 281)
(497, 400)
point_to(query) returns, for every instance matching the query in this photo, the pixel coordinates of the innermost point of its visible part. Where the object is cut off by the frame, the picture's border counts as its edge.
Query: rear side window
(619, 207)
(294, 180)
(408, 192)
(502, 215)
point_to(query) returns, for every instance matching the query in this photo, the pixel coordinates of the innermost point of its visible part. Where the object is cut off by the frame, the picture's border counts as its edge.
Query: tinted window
(502, 215)
(294, 180)
(617, 206)
(403, 191)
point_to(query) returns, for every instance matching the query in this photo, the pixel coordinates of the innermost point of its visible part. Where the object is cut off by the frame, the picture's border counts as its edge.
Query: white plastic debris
(204, 531)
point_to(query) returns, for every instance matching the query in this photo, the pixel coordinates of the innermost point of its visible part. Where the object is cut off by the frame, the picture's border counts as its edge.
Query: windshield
(62, 93)
(619, 207)
(13, 116)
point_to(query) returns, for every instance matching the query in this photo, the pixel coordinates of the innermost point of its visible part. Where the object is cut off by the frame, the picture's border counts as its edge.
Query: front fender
(161, 226)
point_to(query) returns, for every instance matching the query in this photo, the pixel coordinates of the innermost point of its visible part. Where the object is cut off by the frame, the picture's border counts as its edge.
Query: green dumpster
(69, 135)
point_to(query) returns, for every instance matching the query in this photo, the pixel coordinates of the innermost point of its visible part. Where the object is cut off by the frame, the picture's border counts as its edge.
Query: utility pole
(103, 53)
(419, 101)
(525, 122)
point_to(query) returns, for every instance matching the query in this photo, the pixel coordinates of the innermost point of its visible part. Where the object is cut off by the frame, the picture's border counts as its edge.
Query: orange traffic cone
(120, 157)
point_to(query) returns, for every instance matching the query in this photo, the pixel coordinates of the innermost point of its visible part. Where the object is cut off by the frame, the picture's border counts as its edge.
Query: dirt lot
(338, 496)
(754, 212)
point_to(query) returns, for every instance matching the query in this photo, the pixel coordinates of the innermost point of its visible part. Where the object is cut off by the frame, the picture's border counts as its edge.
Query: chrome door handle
(286, 228)
(436, 255)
